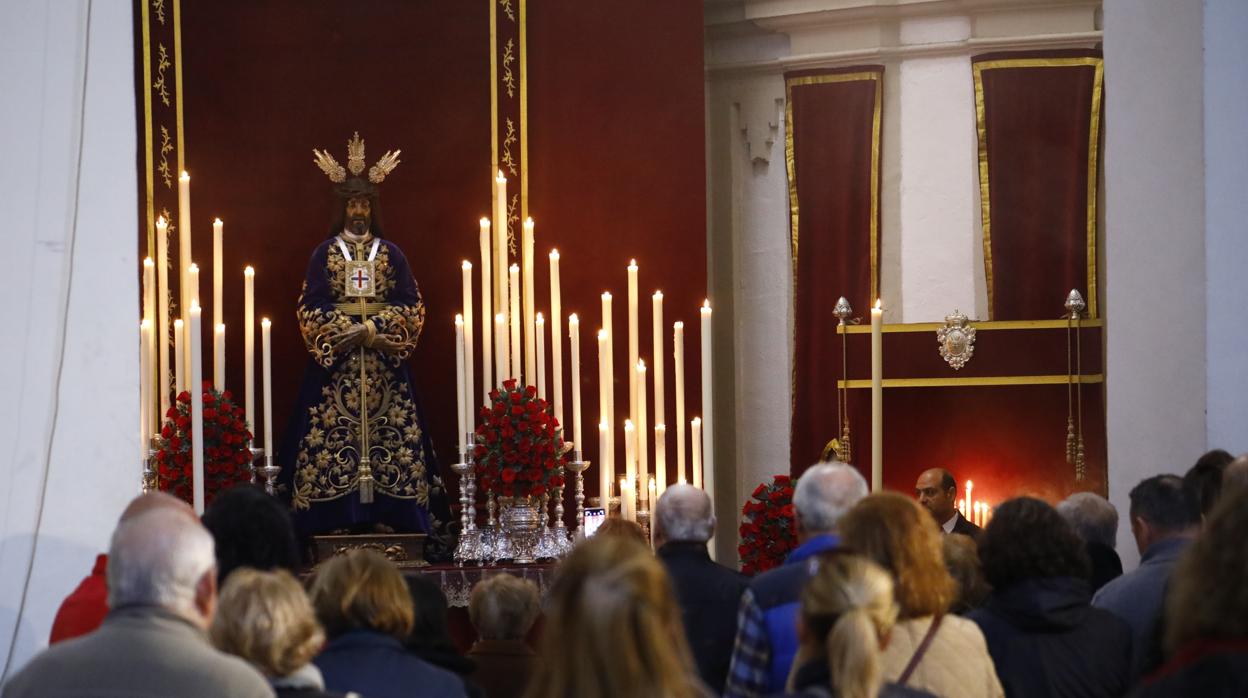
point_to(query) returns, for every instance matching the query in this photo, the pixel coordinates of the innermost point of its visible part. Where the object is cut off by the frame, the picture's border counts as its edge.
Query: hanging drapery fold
(1038, 120)
(832, 153)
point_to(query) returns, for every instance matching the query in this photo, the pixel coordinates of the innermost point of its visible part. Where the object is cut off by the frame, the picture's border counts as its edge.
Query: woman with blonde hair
(847, 613)
(929, 649)
(363, 602)
(613, 628)
(266, 618)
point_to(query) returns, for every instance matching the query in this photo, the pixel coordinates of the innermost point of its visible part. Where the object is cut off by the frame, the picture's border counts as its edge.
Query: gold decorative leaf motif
(508, 159)
(509, 78)
(159, 7)
(166, 147)
(162, 64)
(507, 8)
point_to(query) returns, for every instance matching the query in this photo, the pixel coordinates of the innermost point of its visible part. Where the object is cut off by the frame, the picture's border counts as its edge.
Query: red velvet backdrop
(834, 185)
(617, 172)
(1039, 124)
(616, 139)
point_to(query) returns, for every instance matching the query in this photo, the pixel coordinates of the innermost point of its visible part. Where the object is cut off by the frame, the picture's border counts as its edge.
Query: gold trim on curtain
(791, 169)
(1093, 146)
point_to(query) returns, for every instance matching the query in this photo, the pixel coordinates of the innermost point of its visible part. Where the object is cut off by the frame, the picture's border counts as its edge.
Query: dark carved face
(359, 214)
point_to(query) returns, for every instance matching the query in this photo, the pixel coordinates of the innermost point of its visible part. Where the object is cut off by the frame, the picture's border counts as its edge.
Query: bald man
(84, 609)
(937, 491)
(708, 593)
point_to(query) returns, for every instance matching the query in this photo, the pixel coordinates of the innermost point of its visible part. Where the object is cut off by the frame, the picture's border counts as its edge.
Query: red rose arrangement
(767, 526)
(226, 456)
(519, 444)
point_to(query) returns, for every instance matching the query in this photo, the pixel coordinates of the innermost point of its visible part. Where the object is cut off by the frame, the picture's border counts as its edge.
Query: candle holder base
(270, 473)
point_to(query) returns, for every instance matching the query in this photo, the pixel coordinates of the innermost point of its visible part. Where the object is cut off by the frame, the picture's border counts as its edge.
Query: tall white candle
(628, 500)
(487, 313)
(162, 313)
(660, 457)
(678, 363)
(517, 350)
(604, 473)
(630, 463)
(643, 453)
(660, 389)
(500, 244)
(970, 501)
(708, 405)
(556, 341)
(197, 410)
(539, 323)
(500, 347)
(149, 340)
(184, 243)
(192, 297)
(877, 397)
(470, 401)
(218, 254)
(606, 470)
(530, 311)
(461, 388)
(633, 340)
(179, 355)
(608, 381)
(696, 461)
(249, 348)
(266, 367)
(574, 337)
(218, 357)
(146, 404)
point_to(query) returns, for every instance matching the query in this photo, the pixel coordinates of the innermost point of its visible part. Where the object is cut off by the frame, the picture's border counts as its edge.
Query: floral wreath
(767, 526)
(519, 444)
(226, 455)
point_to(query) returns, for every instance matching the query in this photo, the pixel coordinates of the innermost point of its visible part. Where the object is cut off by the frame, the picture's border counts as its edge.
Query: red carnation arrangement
(226, 455)
(519, 444)
(767, 526)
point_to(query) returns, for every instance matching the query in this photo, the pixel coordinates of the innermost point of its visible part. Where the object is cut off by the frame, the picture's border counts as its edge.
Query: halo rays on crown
(355, 162)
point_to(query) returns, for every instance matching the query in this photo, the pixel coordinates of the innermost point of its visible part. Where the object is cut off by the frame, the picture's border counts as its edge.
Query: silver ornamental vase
(520, 521)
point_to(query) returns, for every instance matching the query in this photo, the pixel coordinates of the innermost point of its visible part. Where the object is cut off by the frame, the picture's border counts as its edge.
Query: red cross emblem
(361, 279)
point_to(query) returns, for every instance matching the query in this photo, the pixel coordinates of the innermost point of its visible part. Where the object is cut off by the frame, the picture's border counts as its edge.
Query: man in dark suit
(708, 593)
(938, 493)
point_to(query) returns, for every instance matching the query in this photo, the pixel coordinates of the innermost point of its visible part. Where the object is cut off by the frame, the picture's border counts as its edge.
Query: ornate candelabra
(578, 468)
(469, 548)
(151, 476)
(270, 473)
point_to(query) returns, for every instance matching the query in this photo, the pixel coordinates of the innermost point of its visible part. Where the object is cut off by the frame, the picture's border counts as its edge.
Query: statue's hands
(349, 338)
(384, 344)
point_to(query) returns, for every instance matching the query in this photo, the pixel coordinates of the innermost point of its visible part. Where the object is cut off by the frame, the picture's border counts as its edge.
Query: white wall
(1226, 221)
(68, 357)
(1154, 244)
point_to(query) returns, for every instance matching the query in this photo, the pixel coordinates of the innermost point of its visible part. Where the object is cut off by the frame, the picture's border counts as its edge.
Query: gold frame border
(990, 325)
(973, 381)
(524, 112)
(147, 132)
(493, 92)
(1094, 128)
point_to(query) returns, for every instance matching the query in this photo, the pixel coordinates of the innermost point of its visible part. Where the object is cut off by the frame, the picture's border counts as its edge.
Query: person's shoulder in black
(965, 527)
(709, 595)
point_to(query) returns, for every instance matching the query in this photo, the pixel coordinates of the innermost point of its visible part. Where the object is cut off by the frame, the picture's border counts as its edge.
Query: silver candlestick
(270, 472)
(578, 468)
(256, 453)
(469, 547)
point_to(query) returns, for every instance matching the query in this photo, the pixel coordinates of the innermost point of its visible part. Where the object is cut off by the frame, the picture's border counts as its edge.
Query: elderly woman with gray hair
(1096, 522)
(502, 609)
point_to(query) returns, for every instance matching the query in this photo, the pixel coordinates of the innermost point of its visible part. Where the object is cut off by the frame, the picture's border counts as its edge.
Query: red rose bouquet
(519, 444)
(226, 455)
(767, 526)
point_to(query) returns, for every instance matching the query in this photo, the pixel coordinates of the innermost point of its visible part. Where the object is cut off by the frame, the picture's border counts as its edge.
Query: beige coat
(957, 662)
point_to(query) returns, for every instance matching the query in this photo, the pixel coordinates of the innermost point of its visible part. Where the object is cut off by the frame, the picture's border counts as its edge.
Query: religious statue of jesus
(356, 456)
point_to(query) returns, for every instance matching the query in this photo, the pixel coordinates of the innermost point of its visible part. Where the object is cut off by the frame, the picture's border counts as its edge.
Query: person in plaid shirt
(766, 639)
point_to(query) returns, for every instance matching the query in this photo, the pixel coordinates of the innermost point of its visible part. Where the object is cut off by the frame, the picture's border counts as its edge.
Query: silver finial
(842, 310)
(1074, 304)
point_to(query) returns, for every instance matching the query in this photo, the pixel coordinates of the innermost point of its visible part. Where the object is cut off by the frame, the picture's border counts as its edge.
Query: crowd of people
(886, 595)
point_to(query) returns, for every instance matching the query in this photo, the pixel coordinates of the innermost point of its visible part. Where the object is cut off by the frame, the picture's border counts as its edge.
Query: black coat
(965, 527)
(1047, 640)
(1210, 669)
(1106, 565)
(709, 595)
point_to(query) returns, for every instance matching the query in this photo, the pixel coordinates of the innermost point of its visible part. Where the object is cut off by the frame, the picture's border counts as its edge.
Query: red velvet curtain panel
(1038, 118)
(832, 150)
